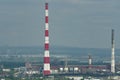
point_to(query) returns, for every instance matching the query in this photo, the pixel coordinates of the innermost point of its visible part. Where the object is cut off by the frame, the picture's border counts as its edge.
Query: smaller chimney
(90, 61)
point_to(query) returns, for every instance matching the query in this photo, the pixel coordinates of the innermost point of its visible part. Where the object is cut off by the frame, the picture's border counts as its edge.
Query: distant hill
(58, 50)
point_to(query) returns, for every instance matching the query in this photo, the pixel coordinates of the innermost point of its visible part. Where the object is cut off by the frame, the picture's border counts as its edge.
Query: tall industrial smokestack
(113, 53)
(46, 70)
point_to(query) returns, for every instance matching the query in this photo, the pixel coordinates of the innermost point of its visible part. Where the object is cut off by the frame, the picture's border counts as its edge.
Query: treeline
(11, 64)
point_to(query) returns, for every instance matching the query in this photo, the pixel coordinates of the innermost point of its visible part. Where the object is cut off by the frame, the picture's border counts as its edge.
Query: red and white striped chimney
(46, 70)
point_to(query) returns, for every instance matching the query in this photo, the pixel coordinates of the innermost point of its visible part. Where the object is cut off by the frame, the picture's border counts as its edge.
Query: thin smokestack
(113, 53)
(112, 38)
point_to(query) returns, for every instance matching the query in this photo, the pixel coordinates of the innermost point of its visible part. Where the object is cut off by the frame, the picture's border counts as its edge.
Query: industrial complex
(76, 70)
(61, 68)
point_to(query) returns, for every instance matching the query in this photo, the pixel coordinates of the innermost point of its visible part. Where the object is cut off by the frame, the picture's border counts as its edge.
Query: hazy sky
(74, 23)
